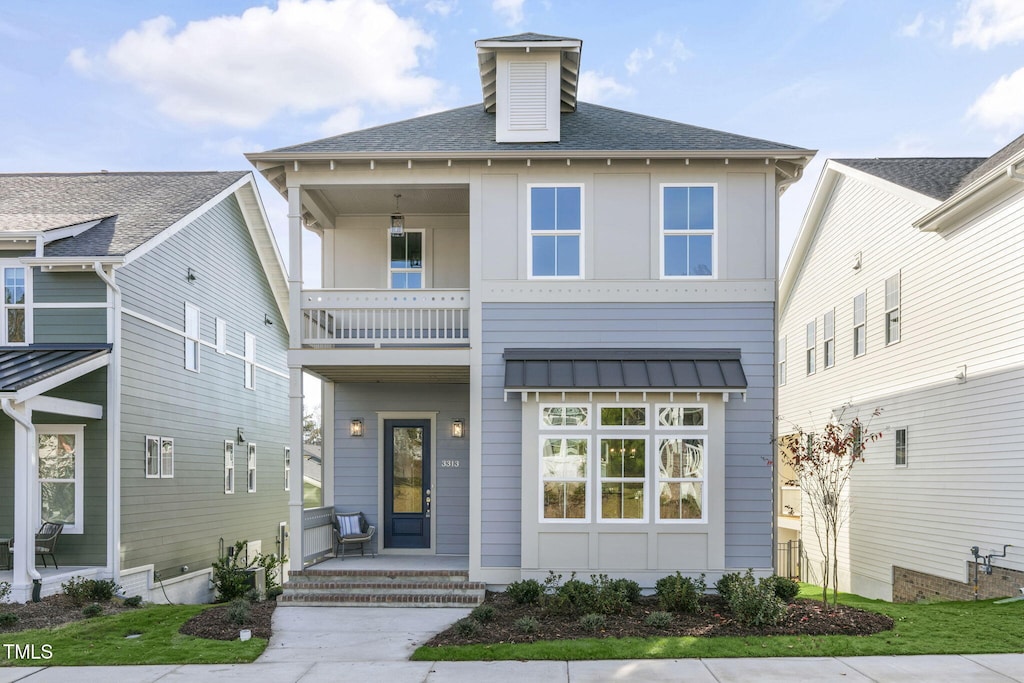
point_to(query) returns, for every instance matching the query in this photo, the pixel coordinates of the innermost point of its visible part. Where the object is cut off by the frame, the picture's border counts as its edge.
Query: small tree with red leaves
(822, 463)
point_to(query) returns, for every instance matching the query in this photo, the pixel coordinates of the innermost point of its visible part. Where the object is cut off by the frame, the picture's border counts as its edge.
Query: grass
(920, 629)
(104, 641)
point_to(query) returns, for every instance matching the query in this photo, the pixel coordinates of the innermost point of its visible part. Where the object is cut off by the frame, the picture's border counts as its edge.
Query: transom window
(859, 324)
(829, 330)
(892, 309)
(614, 458)
(556, 231)
(60, 453)
(16, 295)
(405, 260)
(688, 221)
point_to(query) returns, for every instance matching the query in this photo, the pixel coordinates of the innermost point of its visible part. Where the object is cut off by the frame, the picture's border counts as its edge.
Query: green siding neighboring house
(100, 305)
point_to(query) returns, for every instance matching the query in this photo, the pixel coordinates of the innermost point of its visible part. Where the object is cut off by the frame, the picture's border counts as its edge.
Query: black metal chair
(46, 541)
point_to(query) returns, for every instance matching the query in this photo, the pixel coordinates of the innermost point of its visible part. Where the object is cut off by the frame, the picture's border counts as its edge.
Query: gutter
(113, 423)
(27, 532)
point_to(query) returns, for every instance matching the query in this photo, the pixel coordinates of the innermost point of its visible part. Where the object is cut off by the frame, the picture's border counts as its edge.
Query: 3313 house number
(450, 463)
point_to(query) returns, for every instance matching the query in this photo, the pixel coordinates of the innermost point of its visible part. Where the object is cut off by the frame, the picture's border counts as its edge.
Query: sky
(154, 85)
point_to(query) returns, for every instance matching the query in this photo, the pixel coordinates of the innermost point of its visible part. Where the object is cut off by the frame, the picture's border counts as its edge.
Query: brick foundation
(912, 586)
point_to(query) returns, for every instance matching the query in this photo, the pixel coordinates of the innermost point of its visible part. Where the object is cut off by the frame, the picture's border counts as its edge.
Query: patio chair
(46, 541)
(351, 528)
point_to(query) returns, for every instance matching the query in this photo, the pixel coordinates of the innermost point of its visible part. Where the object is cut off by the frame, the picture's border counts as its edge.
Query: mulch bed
(803, 617)
(214, 624)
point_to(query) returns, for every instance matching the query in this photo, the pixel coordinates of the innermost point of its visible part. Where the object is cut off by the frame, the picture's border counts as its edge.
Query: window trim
(906, 448)
(828, 330)
(250, 468)
(78, 430)
(625, 436)
(530, 232)
(287, 468)
(229, 466)
(422, 270)
(663, 232)
(193, 341)
(890, 310)
(811, 350)
(782, 362)
(588, 494)
(249, 364)
(5, 307)
(860, 348)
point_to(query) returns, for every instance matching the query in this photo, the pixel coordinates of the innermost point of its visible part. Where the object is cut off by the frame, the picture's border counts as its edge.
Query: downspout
(113, 424)
(26, 532)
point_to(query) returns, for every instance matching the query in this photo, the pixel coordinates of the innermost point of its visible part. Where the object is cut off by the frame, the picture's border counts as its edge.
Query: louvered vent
(527, 96)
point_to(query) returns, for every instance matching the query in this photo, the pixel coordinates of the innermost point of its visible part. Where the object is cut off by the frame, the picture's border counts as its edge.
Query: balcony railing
(390, 317)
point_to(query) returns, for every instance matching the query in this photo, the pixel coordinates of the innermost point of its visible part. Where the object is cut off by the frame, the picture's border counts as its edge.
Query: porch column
(24, 501)
(295, 535)
(295, 267)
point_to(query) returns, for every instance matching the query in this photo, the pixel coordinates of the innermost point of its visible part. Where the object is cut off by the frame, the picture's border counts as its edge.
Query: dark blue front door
(407, 497)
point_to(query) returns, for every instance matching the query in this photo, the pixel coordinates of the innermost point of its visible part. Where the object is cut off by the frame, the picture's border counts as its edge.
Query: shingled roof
(590, 128)
(132, 207)
(937, 178)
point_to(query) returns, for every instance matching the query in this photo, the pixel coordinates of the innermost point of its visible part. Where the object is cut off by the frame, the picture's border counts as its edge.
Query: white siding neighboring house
(920, 261)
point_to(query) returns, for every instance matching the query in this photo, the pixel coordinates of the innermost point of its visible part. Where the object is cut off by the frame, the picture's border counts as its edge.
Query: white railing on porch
(376, 317)
(317, 534)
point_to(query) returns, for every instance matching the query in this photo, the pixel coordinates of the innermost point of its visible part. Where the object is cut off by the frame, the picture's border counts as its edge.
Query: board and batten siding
(357, 484)
(748, 425)
(184, 520)
(960, 306)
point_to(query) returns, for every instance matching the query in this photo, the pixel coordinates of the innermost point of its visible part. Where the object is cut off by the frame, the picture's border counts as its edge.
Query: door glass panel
(407, 470)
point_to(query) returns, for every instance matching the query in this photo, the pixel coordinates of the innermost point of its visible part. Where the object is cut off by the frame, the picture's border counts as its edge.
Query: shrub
(725, 584)
(680, 593)
(93, 610)
(527, 624)
(5, 591)
(8, 618)
(574, 597)
(614, 595)
(482, 613)
(82, 590)
(592, 621)
(239, 611)
(467, 627)
(272, 593)
(272, 565)
(754, 603)
(134, 601)
(527, 592)
(230, 579)
(658, 619)
(627, 588)
(785, 589)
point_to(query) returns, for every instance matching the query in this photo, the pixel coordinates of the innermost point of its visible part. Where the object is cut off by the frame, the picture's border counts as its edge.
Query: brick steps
(382, 588)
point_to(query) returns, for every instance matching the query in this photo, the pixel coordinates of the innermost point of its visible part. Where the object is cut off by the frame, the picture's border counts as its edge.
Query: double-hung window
(192, 337)
(829, 331)
(16, 307)
(892, 309)
(556, 231)
(782, 362)
(59, 449)
(688, 224)
(250, 360)
(623, 467)
(229, 467)
(859, 325)
(811, 350)
(681, 433)
(405, 260)
(250, 468)
(159, 457)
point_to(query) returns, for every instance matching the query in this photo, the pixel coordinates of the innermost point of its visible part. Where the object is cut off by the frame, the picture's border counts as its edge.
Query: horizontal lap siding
(179, 521)
(50, 287)
(356, 485)
(749, 425)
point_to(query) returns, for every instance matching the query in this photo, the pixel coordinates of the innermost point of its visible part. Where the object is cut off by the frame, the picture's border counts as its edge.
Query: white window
(250, 467)
(250, 360)
(60, 453)
(16, 328)
(681, 435)
(688, 222)
(623, 416)
(892, 309)
(859, 325)
(555, 245)
(564, 482)
(159, 457)
(623, 478)
(191, 337)
(782, 362)
(287, 468)
(405, 260)
(229, 467)
(829, 330)
(571, 416)
(222, 335)
(811, 350)
(901, 447)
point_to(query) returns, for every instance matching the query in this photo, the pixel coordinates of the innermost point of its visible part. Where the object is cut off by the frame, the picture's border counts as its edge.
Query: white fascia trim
(69, 231)
(935, 219)
(62, 377)
(799, 156)
(256, 221)
(63, 406)
(538, 44)
(70, 263)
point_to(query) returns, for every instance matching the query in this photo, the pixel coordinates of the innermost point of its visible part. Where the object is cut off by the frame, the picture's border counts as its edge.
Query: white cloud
(302, 57)
(598, 88)
(637, 59)
(1002, 104)
(441, 7)
(913, 29)
(510, 11)
(987, 23)
(666, 51)
(342, 121)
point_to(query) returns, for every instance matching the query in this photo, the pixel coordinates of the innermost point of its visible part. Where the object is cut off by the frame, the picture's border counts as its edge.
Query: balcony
(376, 318)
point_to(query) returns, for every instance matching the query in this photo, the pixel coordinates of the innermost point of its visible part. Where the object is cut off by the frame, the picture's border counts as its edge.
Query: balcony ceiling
(362, 200)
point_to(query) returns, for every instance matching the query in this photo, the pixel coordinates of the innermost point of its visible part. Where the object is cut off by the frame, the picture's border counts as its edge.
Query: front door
(407, 497)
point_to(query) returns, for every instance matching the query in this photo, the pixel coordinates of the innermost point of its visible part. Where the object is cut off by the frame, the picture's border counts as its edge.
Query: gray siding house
(546, 329)
(142, 377)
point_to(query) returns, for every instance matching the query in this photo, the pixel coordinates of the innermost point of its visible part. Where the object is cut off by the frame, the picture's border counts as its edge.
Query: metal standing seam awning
(23, 367)
(545, 370)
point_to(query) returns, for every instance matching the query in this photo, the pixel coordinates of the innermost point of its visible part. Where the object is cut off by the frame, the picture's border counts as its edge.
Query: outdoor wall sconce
(355, 428)
(190, 276)
(458, 428)
(267, 320)
(241, 435)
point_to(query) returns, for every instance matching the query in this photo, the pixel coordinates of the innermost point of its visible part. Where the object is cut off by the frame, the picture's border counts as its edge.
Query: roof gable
(937, 178)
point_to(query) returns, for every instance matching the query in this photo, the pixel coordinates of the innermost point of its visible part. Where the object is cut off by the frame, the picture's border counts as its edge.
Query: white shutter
(527, 95)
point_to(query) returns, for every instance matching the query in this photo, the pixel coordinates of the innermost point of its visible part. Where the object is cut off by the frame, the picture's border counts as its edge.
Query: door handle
(428, 502)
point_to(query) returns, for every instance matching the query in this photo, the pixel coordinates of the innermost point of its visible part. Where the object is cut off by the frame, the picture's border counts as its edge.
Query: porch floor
(389, 562)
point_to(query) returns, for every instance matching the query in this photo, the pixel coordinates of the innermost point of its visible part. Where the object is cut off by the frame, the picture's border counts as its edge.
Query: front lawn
(938, 628)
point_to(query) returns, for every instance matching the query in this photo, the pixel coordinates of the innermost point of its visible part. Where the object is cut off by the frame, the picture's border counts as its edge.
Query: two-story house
(903, 293)
(547, 329)
(143, 381)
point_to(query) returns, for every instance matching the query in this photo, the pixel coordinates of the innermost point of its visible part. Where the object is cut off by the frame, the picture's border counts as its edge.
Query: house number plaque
(451, 463)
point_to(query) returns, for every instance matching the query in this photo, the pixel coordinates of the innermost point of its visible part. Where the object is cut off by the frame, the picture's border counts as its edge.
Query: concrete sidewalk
(321, 644)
